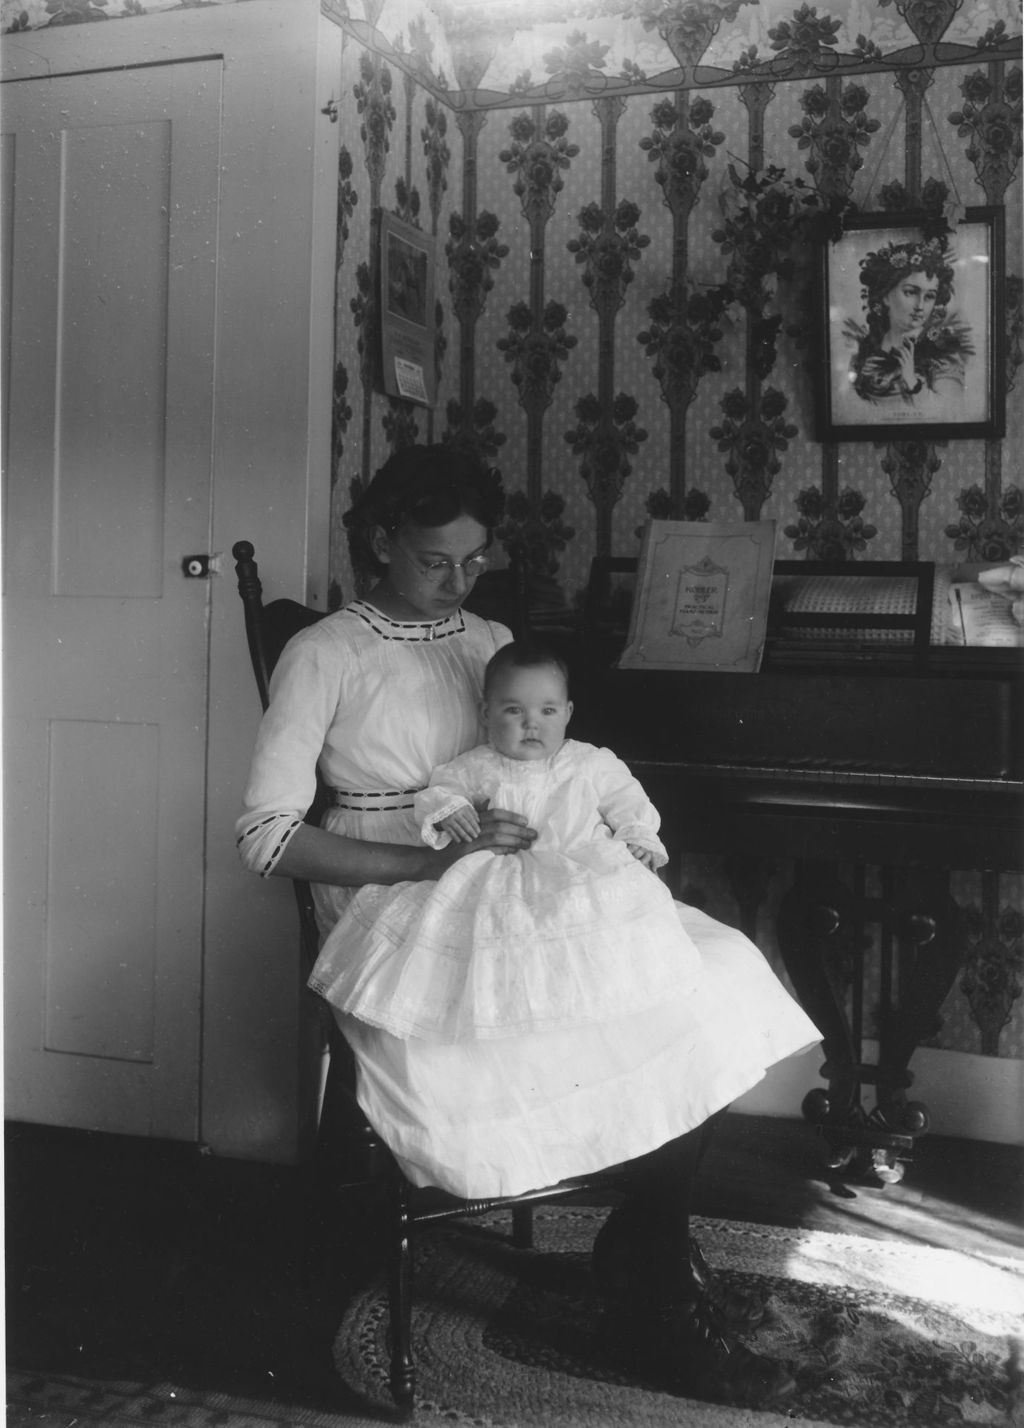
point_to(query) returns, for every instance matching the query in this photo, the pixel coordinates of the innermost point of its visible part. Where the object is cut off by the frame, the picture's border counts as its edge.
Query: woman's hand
(508, 832)
(500, 832)
(324, 857)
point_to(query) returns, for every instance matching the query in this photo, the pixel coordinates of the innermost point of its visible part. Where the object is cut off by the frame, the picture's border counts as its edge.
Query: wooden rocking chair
(347, 1145)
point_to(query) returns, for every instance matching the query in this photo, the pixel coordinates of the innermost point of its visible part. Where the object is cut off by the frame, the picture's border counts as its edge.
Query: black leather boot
(688, 1350)
(741, 1311)
(633, 1265)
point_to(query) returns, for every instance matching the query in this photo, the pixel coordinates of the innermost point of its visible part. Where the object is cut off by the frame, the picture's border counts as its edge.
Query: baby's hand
(462, 826)
(642, 855)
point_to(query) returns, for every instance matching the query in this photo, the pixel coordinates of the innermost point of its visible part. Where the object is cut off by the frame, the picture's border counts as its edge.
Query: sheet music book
(702, 596)
(984, 617)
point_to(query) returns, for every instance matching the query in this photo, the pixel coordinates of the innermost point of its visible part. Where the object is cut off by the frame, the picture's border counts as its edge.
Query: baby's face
(526, 712)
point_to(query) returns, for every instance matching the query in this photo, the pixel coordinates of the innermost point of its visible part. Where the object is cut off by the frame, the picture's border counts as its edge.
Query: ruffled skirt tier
(504, 946)
(506, 1115)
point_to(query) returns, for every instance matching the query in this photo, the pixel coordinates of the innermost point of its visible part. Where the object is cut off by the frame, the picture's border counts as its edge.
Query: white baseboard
(968, 1096)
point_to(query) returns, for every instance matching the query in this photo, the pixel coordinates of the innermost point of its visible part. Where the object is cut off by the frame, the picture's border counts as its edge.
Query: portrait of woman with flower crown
(909, 319)
(910, 349)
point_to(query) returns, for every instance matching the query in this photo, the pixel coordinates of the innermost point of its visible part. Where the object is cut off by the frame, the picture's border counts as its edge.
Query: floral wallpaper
(629, 238)
(626, 200)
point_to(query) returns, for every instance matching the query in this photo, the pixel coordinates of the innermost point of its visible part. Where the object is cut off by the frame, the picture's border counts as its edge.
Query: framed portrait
(910, 329)
(407, 261)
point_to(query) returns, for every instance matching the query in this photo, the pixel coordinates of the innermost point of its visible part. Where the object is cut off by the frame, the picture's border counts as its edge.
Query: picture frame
(407, 275)
(702, 595)
(912, 353)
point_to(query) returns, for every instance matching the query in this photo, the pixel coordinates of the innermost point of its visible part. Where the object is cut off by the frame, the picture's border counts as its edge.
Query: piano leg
(816, 930)
(821, 926)
(928, 925)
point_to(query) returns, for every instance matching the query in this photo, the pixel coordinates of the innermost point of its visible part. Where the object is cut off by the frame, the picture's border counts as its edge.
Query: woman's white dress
(380, 703)
(572, 930)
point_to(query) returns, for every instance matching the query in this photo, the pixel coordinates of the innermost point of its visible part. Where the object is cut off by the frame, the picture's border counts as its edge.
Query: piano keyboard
(826, 776)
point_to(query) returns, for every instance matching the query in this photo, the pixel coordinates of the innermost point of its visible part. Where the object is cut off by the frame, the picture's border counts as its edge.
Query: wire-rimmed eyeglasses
(438, 570)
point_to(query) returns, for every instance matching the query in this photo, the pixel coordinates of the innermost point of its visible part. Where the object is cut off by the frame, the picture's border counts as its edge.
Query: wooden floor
(135, 1259)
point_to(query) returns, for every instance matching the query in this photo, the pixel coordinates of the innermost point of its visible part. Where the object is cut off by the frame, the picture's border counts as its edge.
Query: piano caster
(870, 1147)
(816, 1106)
(864, 1163)
(886, 1167)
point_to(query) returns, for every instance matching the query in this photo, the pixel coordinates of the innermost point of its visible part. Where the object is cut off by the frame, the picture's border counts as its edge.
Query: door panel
(112, 281)
(111, 201)
(84, 955)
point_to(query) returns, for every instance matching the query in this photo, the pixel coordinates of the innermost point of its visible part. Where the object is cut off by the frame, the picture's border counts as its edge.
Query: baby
(526, 708)
(573, 930)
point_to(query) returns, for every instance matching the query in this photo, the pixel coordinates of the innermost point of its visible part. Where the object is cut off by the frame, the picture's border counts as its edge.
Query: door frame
(271, 485)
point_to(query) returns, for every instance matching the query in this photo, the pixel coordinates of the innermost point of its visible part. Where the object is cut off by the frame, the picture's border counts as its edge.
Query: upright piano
(905, 760)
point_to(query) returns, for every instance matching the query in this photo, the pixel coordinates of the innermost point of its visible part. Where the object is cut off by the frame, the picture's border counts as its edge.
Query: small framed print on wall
(407, 259)
(910, 327)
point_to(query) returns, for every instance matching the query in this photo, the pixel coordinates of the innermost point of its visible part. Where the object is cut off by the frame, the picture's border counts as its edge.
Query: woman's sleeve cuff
(261, 845)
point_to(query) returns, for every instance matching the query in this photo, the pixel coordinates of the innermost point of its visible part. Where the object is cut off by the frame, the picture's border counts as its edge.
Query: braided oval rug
(876, 1332)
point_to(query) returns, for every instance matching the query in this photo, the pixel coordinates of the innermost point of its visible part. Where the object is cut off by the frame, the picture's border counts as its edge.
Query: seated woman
(910, 353)
(378, 695)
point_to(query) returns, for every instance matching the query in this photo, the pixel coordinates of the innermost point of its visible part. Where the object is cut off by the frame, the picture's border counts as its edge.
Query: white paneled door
(110, 202)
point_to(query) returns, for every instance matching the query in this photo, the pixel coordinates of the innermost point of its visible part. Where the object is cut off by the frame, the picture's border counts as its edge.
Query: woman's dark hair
(523, 654)
(422, 486)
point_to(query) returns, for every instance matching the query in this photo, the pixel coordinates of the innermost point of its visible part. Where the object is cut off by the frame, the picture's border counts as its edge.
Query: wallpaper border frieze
(799, 57)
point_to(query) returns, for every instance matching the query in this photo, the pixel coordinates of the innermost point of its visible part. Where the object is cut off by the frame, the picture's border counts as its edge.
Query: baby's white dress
(380, 703)
(572, 930)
